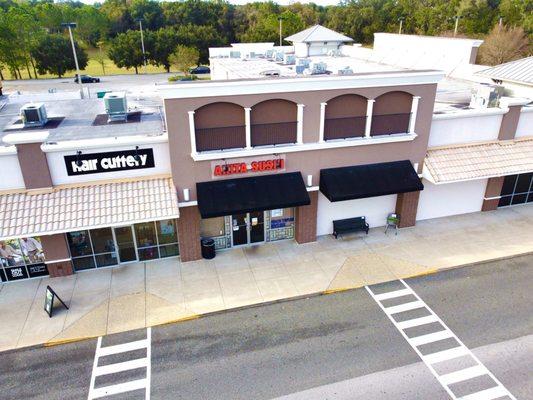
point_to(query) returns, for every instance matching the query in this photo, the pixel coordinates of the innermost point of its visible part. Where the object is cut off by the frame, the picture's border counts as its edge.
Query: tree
(503, 45)
(126, 51)
(184, 58)
(53, 54)
(164, 44)
(100, 57)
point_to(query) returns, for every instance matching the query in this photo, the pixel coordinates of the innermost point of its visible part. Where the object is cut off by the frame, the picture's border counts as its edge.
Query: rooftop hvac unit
(318, 68)
(116, 106)
(278, 55)
(486, 96)
(289, 59)
(234, 54)
(303, 61)
(33, 115)
(345, 71)
(300, 69)
(269, 53)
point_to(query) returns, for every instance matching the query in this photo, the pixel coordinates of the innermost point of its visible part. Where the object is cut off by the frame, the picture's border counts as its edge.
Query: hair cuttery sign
(248, 165)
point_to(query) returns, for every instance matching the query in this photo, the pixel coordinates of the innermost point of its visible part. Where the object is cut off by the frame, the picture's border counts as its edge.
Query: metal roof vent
(33, 115)
(116, 106)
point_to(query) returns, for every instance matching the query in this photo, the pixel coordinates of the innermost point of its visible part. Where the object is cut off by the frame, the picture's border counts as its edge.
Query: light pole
(280, 19)
(457, 17)
(140, 21)
(401, 19)
(71, 25)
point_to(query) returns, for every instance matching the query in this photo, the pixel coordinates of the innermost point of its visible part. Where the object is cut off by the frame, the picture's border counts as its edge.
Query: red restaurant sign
(245, 166)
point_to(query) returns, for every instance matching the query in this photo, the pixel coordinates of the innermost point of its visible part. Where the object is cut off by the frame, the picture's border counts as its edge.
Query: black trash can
(208, 248)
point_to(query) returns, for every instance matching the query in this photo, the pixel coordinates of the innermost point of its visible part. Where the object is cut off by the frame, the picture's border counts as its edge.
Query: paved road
(108, 82)
(340, 346)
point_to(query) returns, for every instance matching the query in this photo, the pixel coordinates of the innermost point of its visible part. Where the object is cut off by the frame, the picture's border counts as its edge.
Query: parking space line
(446, 380)
(110, 369)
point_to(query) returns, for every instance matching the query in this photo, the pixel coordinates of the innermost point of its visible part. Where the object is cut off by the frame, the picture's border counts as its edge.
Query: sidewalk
(144, 294)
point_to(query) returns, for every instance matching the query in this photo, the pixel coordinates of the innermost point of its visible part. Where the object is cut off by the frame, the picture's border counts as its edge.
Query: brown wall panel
(305, 230)
(189, 234)
(406, 207)
(34, 166)
(494, 189)
(397, 102)
(510, 123)
(63, 268)
(55, 247)
(274, 110)
(348, 105)
(217, 115)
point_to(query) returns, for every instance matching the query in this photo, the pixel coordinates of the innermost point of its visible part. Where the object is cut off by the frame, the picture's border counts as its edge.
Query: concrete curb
(285, 299)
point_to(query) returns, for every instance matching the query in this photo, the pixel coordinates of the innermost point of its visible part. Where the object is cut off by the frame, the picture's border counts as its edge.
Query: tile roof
(318, 33)
(87, 206)
(479, 160)
(520, 71)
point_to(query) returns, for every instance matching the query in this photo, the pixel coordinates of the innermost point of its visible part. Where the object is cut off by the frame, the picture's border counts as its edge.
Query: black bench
(342, 226)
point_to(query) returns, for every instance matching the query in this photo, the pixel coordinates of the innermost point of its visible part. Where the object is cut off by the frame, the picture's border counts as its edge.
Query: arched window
(391, 113)
(219, 126)
(345, 117)
(274, 122)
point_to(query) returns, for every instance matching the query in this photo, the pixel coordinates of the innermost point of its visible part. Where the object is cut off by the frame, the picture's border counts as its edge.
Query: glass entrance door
(257, 226)
(248, 228)
(126, 244)
(239, 226)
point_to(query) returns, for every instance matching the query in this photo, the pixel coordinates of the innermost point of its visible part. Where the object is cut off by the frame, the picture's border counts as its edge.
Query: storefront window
(82, 263)
(212, 227)
(21, 259)
(281, 218)
(281, 224)
(167, 231)
(99, 247)
(79, 243)
(517, 189)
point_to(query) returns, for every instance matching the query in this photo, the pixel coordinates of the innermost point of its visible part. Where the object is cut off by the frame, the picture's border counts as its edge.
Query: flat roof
(298, 83)
(79, 116)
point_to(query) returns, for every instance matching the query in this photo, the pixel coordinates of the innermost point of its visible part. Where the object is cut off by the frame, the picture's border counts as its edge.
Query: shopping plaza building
(262, 152)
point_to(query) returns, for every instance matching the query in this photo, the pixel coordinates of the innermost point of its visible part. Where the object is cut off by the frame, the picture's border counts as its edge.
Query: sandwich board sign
(49, 301)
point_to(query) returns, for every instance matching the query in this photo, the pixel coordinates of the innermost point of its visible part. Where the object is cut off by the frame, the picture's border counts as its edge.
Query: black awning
(360, 181)
(258, 193)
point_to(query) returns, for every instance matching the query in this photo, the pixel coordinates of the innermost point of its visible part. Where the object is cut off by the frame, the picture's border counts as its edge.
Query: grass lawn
(94, 68)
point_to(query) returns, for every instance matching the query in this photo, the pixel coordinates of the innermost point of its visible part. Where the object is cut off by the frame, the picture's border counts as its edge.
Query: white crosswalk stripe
(109, 369)
(431, 359)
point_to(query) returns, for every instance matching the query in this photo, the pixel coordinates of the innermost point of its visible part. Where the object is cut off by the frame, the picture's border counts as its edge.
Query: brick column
(305, 229)
(492, 194)
(406, 207)
(189, 233)
(58, 260)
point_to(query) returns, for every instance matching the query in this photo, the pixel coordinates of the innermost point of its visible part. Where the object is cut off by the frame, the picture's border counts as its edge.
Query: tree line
(32, 39)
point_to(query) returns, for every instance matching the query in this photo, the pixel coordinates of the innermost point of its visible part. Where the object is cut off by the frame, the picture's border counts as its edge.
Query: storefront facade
(268, 129)
(105, 247)
(107, 203)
